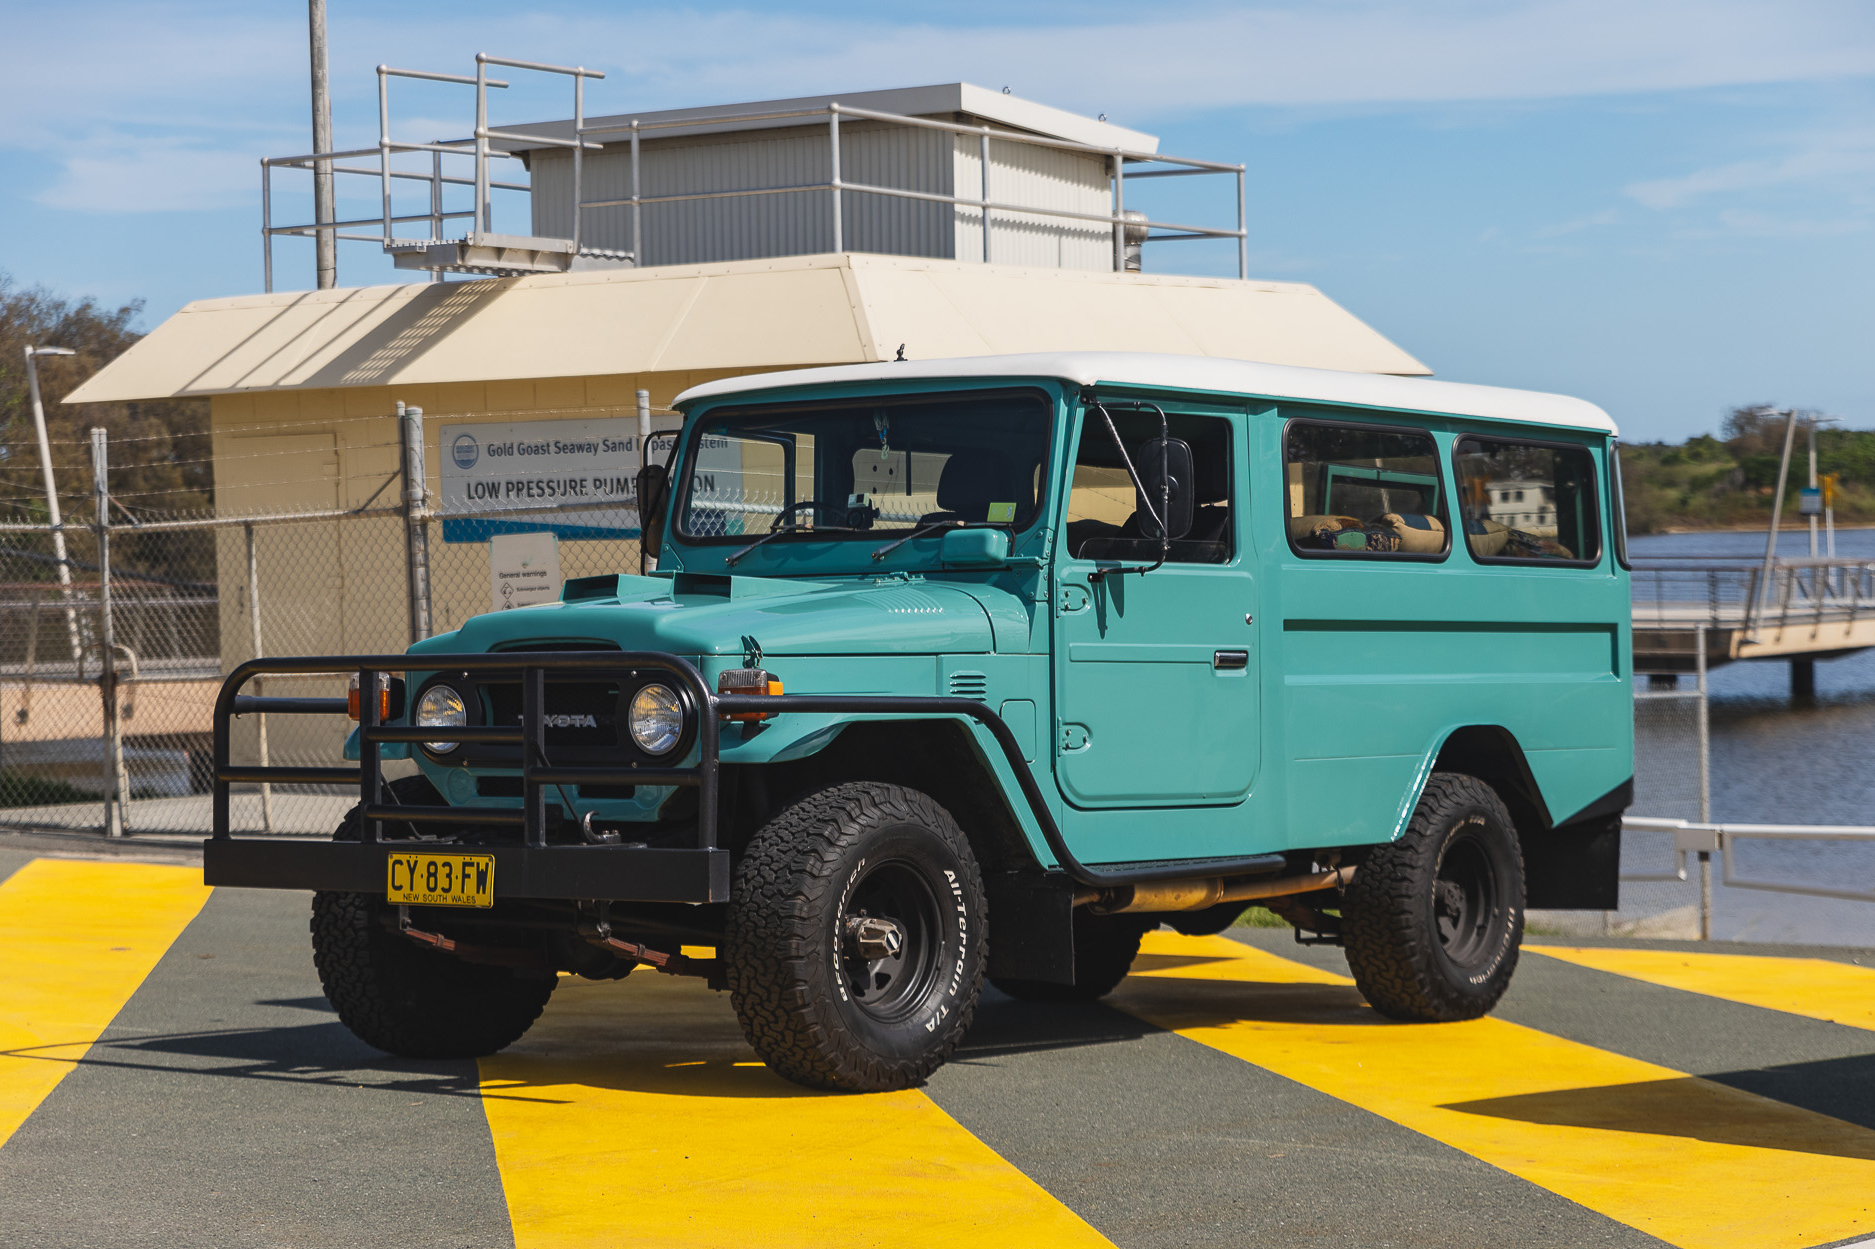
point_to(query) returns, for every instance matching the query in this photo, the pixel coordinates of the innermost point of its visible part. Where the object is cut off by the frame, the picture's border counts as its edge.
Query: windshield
(844, 470)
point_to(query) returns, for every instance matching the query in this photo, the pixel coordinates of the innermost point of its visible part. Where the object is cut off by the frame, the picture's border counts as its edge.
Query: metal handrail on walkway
(1674, 592)
(1692, 836)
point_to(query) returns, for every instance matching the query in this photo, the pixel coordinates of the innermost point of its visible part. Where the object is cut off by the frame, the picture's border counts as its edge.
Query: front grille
(579, 714)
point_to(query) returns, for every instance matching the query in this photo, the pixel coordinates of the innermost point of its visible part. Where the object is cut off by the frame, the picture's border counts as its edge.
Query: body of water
(1773, 762)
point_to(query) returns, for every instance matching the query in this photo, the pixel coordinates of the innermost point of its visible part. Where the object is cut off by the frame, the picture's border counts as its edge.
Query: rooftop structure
(951, 171)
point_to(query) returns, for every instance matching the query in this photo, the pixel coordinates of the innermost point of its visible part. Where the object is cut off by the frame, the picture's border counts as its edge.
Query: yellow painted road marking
(1817, 987)
(1692, 1162)
(634, 1114)
(76, 939)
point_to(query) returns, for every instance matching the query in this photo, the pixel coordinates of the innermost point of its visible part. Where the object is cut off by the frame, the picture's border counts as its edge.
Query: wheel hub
(888, 940)
(873, 938)
(1465, 902)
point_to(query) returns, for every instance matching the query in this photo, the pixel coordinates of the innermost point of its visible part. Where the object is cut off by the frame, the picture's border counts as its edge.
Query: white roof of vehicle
(1203, 373)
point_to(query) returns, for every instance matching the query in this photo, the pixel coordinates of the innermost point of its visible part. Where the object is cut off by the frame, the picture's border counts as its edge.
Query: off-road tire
(1104, 949)
(794, 977)
(404, 999)
(1432, 922)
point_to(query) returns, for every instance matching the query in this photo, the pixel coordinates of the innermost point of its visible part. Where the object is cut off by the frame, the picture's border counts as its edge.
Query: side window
(1528, 502)
(1619, 506)
(1364, 491)
(1103, 512)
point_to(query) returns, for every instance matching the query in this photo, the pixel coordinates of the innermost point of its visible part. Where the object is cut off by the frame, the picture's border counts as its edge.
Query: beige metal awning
(743, 315)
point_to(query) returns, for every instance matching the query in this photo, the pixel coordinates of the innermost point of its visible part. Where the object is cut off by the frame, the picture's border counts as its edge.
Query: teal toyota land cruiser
(980, 669)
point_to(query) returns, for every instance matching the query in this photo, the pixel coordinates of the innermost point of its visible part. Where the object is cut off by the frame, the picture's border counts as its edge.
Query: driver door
(1156, 673)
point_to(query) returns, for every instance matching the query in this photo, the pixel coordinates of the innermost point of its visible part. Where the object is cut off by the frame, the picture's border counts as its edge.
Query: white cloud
(1371, 51)
(1740, 221)
(194, 77)
(1849, 155)
(120, 175)
(1606, 217)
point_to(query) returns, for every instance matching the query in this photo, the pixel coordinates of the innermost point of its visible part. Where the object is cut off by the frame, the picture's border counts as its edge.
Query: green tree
(159, 452)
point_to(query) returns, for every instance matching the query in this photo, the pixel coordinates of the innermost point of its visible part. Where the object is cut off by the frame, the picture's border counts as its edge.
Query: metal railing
(1130, 229)
(476, 148)
(1730, 592)
(1122, 225)
(1705, 839)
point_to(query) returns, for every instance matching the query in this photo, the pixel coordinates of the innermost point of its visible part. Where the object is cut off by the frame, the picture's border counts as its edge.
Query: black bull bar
(534, 869)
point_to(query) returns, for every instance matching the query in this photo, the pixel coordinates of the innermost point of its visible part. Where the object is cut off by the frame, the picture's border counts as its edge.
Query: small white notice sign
(523, 568)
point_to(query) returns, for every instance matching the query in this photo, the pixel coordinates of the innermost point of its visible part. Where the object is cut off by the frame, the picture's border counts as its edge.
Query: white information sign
(497, 467)
(523, 569)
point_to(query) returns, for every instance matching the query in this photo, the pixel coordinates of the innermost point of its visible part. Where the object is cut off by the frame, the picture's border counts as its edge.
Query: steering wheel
(845, 517)
(781, 519)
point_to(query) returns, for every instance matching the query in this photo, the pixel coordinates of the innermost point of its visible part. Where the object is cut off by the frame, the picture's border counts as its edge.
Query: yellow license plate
(441, 880)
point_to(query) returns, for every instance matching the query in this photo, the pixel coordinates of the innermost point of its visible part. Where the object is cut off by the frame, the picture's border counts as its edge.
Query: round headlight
(656, 720)
(441, 707)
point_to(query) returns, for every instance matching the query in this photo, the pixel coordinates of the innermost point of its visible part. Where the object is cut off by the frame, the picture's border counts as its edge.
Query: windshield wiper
(772, 534)
(919, 532)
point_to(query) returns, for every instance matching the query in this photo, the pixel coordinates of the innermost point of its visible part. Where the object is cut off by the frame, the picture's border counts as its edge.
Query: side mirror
(653, 490)
(1165, 483)
(974, 548)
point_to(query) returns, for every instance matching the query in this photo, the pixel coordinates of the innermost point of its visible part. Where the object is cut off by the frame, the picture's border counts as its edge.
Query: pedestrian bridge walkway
(1805, 610)
(167, 1064)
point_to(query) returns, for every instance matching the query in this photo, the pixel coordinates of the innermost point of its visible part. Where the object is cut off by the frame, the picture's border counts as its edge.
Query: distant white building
(1526, 505)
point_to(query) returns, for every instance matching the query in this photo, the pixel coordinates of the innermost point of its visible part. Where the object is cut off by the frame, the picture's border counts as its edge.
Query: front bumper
(530, 869)
(595, 873)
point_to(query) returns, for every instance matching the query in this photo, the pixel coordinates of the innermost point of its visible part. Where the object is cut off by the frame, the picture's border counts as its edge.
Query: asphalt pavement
(170, 1074)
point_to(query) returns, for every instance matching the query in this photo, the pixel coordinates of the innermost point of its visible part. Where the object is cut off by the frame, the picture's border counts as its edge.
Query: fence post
(116, 788)
(1705, 785)
(260, 721)
(416, 520)
(647, 560)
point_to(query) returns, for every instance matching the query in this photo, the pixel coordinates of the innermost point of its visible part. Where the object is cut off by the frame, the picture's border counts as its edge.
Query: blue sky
(1665, 206)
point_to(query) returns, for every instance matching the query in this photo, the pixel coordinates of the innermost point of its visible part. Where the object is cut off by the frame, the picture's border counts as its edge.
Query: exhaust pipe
(1197, 894)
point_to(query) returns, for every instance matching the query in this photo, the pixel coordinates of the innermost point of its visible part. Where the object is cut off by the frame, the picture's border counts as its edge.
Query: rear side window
(1364, 491)
(1526, 502)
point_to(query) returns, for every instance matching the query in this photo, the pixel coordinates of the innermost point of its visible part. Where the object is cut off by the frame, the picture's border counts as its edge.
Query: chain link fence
(115, 636)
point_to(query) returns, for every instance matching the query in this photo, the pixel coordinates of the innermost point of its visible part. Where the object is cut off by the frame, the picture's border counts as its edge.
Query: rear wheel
(1104, 949)
(406, 999)
(1432, 922)
(855, 943)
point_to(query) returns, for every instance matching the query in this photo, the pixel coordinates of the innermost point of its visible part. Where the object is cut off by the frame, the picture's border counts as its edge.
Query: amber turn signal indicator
(748, 681)
(384, 701)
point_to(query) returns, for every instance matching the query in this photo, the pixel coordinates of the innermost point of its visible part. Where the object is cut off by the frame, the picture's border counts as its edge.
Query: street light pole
(325, 243)
(52, 494)
(1812, 486)
(1763, 604)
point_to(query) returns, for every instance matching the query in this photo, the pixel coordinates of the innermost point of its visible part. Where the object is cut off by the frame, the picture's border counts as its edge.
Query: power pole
(323, 211)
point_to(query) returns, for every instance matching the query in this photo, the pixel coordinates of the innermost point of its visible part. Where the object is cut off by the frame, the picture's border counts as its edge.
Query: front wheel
(404, 999)
(1432, 922)
(855, 945)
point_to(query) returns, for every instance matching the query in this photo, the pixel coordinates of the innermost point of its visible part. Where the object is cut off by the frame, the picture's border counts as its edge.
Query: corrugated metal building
(687, 152)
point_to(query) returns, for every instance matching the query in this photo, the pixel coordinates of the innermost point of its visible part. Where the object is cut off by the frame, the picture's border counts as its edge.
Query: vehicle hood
(712, 615)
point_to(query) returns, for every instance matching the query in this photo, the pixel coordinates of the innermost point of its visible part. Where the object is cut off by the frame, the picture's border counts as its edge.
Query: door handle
(1230, 661)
